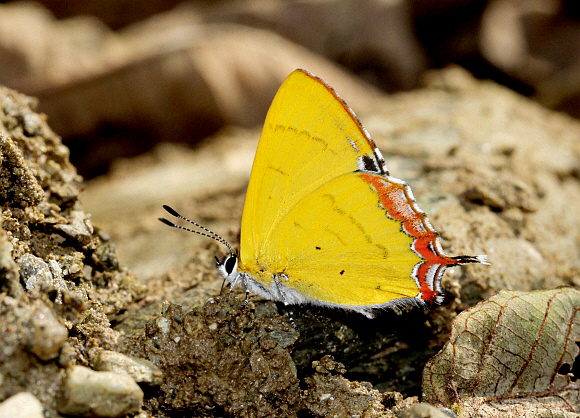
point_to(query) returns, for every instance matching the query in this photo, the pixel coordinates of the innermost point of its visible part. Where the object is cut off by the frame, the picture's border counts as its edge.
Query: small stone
(48, 334)
(21, 405)
(141, 370)
(79, 227)
(39, 275)
(32, 124)
(58, 281)
(105, 256)
(72, 265)
(89, 393)
(284, 338)
(35, 273)
(422, 410)
(67, 354)
(164, 325)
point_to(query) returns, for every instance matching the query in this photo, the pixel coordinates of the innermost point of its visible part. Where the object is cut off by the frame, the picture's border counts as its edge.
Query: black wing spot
(369, 164)
(378, 287)
(317, 247)
(341, 272)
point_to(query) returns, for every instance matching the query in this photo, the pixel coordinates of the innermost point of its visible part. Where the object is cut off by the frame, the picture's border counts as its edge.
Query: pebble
(38, 275)
(141, 370)
(58, 280)
(283, 338)
(89, 393)
(79, 227)
(32, 124)
(422, 410)
(21, 405)
(34, 272)
(48, 334)
(164, 325)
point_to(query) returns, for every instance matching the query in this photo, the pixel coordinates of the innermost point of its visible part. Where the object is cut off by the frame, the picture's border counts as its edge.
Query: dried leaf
(510, 355)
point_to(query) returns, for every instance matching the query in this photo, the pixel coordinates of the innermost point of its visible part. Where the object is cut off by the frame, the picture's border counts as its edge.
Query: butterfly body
(324, 222)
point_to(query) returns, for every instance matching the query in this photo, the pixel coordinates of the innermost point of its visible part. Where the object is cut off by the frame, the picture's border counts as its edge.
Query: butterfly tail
(465, 259)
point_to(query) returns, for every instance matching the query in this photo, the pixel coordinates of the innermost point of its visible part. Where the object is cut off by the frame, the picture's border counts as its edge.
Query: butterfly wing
(323, 215)
(344, 249)
(298, 151)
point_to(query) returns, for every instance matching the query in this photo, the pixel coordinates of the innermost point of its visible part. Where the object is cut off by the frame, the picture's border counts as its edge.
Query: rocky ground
(87, 332)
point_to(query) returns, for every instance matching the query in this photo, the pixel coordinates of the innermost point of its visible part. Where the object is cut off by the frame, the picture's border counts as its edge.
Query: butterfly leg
(277, 288)
(223, 286)
(236, 280)
(246, 299)
(291, 320)
(244, 284)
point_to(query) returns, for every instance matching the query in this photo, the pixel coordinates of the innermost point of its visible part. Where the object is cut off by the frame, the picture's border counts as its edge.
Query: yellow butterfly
(324, 222)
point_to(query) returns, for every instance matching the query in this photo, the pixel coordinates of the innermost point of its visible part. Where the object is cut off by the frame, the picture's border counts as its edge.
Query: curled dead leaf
(510, 355)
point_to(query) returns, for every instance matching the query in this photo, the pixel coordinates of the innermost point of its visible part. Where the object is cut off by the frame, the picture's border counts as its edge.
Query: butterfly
(324, 222)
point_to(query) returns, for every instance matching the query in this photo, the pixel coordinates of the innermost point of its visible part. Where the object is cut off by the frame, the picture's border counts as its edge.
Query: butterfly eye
(230, 264)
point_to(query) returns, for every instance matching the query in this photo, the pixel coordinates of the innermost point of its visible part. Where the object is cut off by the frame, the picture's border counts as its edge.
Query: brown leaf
(510, 355)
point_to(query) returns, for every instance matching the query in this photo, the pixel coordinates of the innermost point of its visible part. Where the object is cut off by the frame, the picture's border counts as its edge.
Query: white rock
(79, 227)
(39, 275)
(21, 405)
(58, 281)
(48, 334)
(88, 393)
(35, 273)
(141, 370)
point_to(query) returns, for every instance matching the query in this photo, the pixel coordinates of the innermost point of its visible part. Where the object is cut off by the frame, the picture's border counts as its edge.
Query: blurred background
(116, 78)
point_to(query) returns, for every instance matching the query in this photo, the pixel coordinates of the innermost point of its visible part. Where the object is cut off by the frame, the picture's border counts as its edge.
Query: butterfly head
(229, 267)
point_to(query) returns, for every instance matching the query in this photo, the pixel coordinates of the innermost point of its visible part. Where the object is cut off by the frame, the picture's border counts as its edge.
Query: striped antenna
(208, 233)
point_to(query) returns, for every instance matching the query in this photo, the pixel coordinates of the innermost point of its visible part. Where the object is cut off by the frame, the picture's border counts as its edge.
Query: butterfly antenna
(208, 233)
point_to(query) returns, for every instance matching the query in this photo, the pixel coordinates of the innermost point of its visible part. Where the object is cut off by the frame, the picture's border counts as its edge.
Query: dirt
(59, 274)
